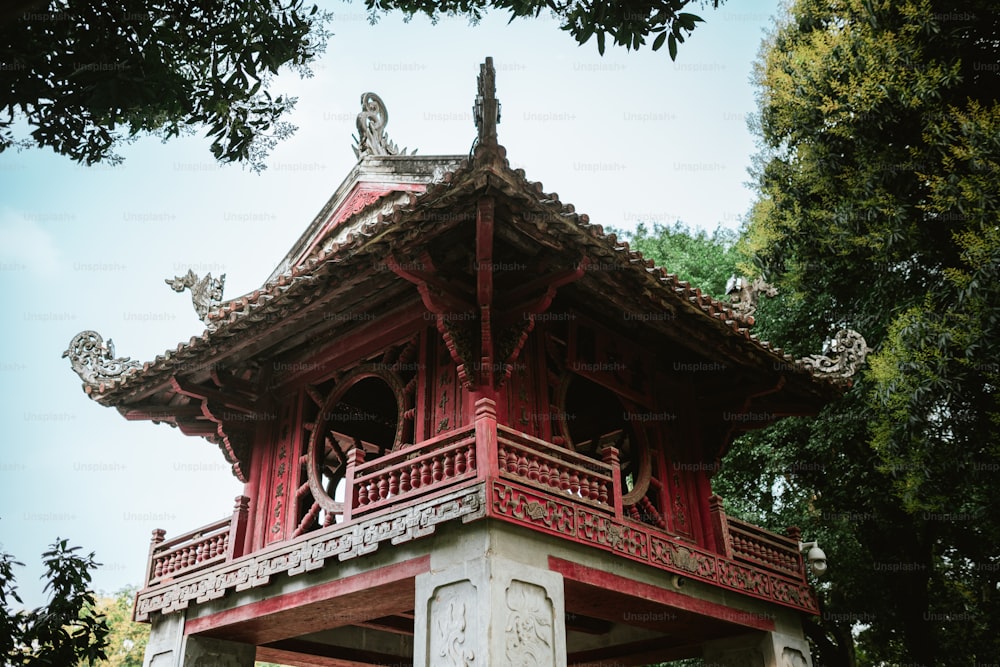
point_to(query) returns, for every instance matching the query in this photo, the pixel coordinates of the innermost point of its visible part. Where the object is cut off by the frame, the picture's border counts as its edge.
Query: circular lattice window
(366, 409)
(591, 411)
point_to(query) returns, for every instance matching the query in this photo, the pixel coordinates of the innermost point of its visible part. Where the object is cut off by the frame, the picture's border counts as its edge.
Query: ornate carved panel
(529, 634)
(453, 632)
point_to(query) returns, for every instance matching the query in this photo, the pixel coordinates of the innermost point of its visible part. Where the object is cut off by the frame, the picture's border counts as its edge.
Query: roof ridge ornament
(744, 295)
(371, 122)
(486, 111)
(94, 360)
(847, 351)
(206, 293)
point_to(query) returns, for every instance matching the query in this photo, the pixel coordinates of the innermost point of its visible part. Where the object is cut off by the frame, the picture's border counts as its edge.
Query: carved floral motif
(529, 632)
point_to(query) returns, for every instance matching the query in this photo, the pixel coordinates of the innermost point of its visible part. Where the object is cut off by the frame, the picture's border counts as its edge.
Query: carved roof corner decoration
(486, 111)
(744, 295)
(206, 293)
(847, 351)
(371, 122)
(94, 360)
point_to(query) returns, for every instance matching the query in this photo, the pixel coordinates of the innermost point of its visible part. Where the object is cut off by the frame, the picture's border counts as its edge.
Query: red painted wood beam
(293, 614)
(631, 587)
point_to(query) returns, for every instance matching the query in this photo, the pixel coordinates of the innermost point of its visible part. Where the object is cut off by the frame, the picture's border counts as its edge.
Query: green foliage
(878, 201)
(83, 77)
(705, 260)
(126, 641)
(66, 631)
(629, 24)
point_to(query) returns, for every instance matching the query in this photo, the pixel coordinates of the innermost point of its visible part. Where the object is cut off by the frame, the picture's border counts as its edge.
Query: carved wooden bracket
(483, 329)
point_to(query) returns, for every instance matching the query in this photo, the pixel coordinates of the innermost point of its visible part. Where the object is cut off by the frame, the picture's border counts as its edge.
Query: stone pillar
(759, 649)
(489, 612)
(168, 647)
(208, 652)
(166, 637)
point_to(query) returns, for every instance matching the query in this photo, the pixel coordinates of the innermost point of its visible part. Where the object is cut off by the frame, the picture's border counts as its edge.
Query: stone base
(489, 612)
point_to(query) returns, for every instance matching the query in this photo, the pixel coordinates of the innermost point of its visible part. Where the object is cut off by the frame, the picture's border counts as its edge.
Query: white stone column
(208, 652)
(169, 647)
(166, 637)
(759, 649)
(489, 612)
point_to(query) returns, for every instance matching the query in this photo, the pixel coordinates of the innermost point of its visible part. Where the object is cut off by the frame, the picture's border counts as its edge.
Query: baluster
(564, 480)
(602, 493)
(393, 483)
(425, 473)
(449, 464)
(436, 468)
(362, 493)
(383, 487)
(574, 483)
(533, 468)
(460, 460)
(414, 476)
(404, 480)
(470, 457)
(157, 567)
(522, 465)
(501, 457)
(543, 473)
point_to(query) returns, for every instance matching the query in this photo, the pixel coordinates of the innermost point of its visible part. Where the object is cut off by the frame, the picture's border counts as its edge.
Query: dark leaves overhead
(82, 77)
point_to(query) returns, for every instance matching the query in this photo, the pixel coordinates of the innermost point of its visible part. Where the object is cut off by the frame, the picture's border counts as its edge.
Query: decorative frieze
(641, 543)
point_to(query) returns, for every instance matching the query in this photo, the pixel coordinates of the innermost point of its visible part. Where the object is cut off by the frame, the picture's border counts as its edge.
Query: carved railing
(747, 543)
(551, 468)
(413, 472)
(198, 549)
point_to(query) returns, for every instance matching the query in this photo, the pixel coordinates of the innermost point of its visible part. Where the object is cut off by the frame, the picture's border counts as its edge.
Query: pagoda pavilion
(473, 430)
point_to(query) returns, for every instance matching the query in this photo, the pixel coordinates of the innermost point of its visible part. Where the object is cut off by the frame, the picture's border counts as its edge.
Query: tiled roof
(255, 311)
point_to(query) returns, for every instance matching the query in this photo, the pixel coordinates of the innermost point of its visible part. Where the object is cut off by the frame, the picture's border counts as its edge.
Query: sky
(628, 137)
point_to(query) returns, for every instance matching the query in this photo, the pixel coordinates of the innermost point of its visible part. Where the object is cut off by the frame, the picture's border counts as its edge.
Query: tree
(85, 77)
(705, 260)
(629, 24)
(64, 632)
(82, 78)
(878, 211)
(126, 640)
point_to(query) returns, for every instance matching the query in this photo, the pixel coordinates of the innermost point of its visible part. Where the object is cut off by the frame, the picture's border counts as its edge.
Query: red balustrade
(552, 468)
(762, 548)
(198, 549)
(412, 472)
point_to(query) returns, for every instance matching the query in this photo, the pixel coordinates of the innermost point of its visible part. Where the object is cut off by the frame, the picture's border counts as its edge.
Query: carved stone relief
(529, 631)
(453, 629)
(792, 657)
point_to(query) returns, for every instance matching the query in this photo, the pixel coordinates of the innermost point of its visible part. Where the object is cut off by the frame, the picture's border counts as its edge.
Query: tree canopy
(879, 124)
(85, 77)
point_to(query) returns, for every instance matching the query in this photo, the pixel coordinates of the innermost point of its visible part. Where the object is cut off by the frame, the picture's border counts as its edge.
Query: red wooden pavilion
(473, 429)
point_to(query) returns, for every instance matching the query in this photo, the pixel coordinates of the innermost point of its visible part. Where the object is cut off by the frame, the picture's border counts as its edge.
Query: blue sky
(625, 138)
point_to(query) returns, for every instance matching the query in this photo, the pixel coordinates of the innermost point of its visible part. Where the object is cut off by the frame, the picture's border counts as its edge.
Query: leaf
(658, 42)
(672, 46)
(600, 42)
